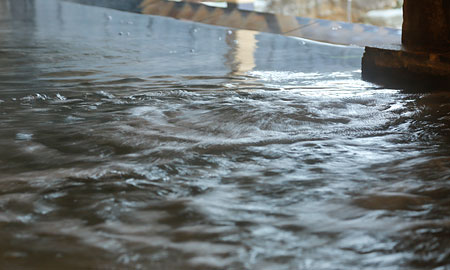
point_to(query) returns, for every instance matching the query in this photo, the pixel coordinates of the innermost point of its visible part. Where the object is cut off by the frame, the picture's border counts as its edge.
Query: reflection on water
(139, 142)
(243, 50)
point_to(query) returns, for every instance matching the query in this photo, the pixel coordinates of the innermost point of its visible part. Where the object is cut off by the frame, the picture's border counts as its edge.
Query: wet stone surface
(139, 142)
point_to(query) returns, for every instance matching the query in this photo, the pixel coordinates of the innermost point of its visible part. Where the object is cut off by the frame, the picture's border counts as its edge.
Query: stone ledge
(395, 67)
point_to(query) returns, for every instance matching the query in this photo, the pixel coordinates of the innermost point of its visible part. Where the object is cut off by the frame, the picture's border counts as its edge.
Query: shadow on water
(141, 142)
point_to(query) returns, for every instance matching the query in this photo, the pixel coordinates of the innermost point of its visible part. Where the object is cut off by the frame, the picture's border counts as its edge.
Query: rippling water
(140, 142)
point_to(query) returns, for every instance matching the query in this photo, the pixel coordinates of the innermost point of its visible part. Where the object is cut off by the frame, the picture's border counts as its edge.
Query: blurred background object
(376, 12)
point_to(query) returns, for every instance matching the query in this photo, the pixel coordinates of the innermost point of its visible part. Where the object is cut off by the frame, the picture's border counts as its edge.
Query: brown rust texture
(426, 25)
(397, 68)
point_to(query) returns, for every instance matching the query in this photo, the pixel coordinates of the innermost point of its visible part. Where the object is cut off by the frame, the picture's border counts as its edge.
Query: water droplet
(120, 33)
(42, 97)
(60, 97)
(229, 32)
(130, 22)
(109, 17)
(128, 34)
(192, 51)
(24, 136)
(25, 218)
(105, 94)
(71, 118)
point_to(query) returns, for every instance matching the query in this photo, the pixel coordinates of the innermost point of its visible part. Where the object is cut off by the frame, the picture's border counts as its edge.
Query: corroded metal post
(426, 25)
(422, 61)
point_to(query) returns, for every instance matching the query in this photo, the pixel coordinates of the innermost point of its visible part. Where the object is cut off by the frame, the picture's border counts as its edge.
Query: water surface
(141, 142)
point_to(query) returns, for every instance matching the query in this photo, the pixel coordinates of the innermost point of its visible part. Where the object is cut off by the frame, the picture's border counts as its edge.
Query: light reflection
(245, 51)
